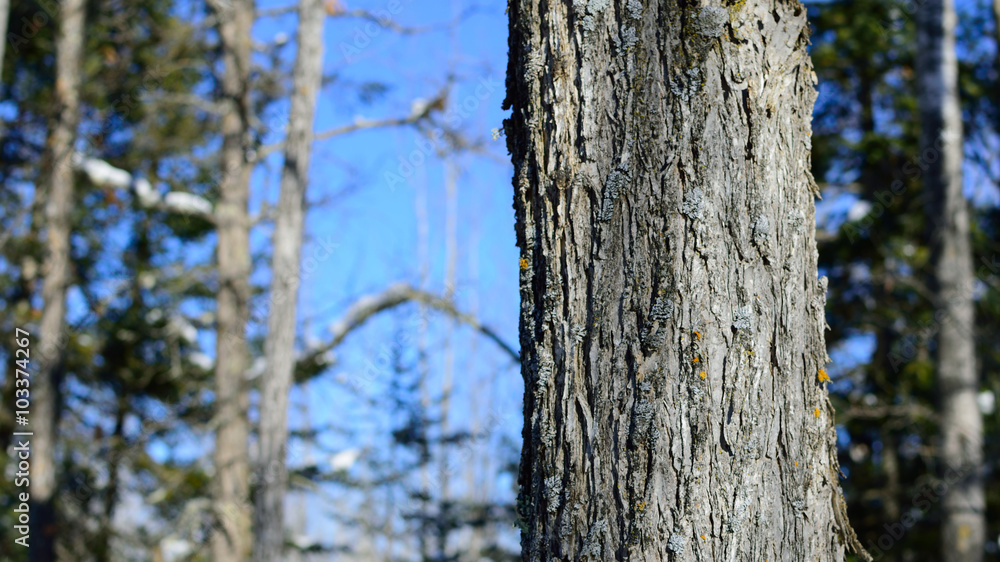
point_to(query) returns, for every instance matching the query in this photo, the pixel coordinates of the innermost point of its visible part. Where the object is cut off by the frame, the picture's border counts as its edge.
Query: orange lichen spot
(697, 335)
(524, 264)
(704, 538)
(796, 463)
(703, 374)
(816, 411)
(696, 359)
(822, 376)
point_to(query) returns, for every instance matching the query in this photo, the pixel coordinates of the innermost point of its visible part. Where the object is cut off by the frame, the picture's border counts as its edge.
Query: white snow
(187, 203)
(987, 402)
(180, 326)
(418, 107)
(148, 197)
(200, 360)
(103, 174)
(345, 459)
(175, 549)
(257, 369)
(858, 210)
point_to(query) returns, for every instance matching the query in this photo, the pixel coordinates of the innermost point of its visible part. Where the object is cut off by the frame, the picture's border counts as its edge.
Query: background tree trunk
(52, 331)
(996, 29)
(4, 18)
(233, 543)
(672, 323)
(280, 344)
(963, 524)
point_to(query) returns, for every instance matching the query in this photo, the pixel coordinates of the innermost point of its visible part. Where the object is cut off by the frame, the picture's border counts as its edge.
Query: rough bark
(57, 275)
(672, 322)
(231, 482)
(963, 522)
(287, 242)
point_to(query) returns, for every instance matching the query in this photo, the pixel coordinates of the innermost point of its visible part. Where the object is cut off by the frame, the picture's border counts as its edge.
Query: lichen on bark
(669, 313)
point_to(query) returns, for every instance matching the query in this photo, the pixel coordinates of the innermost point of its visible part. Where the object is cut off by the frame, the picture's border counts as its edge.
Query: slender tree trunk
(423, 368)
(4, 18)
(963, 523)
(280, 345)
(58, 212)
(231, 483)
(116, 453)
(996, 29)
(445, 504)
(672, 322)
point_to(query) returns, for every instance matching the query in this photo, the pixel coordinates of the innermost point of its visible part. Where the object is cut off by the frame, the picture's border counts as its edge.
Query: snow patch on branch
(103, 174)
(187, 203)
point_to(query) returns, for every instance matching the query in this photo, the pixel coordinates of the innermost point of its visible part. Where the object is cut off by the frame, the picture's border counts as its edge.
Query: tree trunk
(116, 452)
(4, 18)
(672, 322)
(963, 523)
(58, 212)
(233, 542)
(996, 29)
(280, 345)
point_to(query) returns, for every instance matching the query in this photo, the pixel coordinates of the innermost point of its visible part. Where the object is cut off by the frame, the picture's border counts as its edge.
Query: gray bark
(287, 242)
(231, 482)
(57, 275)
(963, 521)
(672, 322)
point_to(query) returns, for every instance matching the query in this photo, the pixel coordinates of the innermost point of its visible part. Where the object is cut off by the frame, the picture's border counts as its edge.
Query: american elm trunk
(672, 320)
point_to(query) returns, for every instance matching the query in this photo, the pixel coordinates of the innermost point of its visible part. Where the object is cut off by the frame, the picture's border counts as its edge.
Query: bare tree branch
(420, 110)
(275, 12)
(395, 295)
(191, 100)
(402, 29)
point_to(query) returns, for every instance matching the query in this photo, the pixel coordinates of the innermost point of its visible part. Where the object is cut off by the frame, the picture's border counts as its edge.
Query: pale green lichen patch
(676, 542)
(694, 205)
(553, 489)
(711, 21)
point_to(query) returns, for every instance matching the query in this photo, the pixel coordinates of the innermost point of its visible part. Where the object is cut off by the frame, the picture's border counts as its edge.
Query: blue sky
(372, 223)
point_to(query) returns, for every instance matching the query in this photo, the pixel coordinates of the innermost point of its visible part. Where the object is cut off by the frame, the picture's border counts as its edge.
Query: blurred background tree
(874, 249)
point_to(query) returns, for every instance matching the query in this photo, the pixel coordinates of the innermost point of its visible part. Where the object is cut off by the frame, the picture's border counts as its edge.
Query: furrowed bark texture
(232, 542)
(269, 534)
(963, 520)
(52, 329)
(672, 322)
